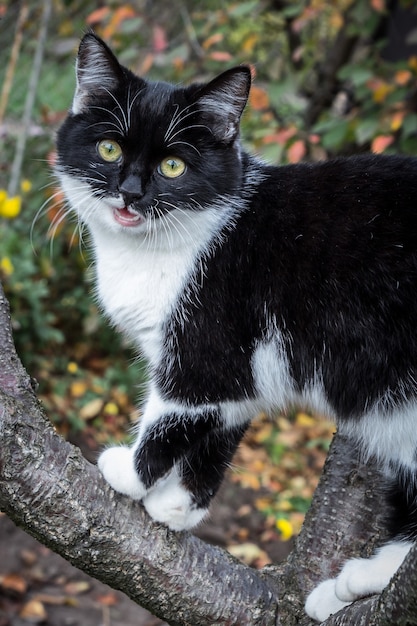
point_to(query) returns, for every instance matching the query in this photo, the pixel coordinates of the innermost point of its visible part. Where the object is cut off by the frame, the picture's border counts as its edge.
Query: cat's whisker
(181, 116)
(119, 125)
(130, 106)
(119, 106)
(107, 123)
(185, 143)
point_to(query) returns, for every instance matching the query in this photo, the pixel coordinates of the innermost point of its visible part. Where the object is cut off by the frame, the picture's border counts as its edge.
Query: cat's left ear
(98, 71)
(222, 101)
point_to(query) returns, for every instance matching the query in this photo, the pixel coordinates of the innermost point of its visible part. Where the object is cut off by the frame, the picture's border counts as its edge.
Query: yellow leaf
(397, 120)
(33, 611)
(412, 63)
(248, 553)
(250, 43)
(285, 528)
(78, 388)
(381, 91)
(77, 586)
(305, 420)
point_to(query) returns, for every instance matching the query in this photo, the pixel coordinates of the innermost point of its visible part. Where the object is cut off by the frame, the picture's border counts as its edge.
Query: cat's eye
(172, 167)
(109, 150)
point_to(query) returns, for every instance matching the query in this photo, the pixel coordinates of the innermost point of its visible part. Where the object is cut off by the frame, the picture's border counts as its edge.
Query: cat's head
(131, 150)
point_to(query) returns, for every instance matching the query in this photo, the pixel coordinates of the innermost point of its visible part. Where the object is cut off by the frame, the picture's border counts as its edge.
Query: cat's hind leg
(357, 579)
(363, 577)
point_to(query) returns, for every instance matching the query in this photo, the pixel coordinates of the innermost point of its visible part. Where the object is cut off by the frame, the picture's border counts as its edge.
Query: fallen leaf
(108, 599)
(248, 553)
(76, 587)
(13, 583)
(91, 409)
(28, 557)
(34, 611)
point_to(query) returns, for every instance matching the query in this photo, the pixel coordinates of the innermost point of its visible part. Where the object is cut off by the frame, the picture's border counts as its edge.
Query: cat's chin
(128, 217)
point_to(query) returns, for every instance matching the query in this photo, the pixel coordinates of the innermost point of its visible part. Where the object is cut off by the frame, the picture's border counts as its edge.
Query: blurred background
(332, 77)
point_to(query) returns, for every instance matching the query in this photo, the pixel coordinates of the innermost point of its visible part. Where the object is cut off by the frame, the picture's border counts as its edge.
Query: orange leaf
(212, 40)
(12, 583)
(220, 56)
(378, 5)
(402, 77)
(282, 136)
(109, 599)
(98, 15)
(297, 151)
(258, 98)
(381, 143)
(146, 64)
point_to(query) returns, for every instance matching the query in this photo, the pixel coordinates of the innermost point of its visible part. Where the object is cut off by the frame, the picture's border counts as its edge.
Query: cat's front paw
(118, 468)
(323, 601)
(171, 504)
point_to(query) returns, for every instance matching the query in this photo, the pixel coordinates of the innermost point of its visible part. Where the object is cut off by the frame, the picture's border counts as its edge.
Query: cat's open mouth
(128, 216)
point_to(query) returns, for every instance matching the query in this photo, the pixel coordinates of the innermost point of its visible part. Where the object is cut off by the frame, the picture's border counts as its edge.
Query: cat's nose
(131, 188)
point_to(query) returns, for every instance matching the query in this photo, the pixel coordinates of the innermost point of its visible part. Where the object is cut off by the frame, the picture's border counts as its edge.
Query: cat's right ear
(97, 70)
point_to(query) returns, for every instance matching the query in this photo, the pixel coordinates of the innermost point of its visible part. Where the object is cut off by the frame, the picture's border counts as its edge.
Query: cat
(247, 287)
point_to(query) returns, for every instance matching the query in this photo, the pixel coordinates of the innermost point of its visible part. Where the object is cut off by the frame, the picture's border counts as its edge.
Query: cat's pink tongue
(128, 218)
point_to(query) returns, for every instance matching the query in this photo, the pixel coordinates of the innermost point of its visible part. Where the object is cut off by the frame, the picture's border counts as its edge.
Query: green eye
(172, 167)
(109, 150)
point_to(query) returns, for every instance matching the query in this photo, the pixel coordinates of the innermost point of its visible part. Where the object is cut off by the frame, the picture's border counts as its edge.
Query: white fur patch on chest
(139, 282)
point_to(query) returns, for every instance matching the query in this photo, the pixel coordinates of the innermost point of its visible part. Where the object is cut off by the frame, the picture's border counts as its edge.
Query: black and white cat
(246, 287)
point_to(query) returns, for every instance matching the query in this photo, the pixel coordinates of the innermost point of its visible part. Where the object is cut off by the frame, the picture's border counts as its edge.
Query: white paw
(118, 468)
(323, 601)
(171, 504)
(359, 578)
(364, 577)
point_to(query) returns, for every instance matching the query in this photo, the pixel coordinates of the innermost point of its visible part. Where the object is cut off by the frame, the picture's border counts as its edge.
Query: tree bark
(49, 489)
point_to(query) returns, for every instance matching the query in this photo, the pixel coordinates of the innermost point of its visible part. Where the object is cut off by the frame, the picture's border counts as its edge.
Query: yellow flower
(25, 185)
(111, 408)
(10, 207)
(72, 367)
(285, 528)
(6, 266)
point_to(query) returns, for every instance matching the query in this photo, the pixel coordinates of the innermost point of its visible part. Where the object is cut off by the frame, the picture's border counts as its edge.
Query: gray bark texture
(49, 489)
